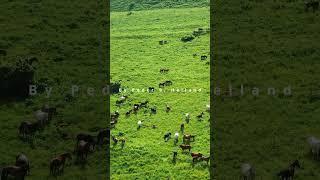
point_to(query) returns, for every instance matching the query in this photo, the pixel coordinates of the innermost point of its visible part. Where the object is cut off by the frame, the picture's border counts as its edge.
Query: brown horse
(195, 156)
(57, 163)
(204, 158)
(288, 173)
(28, 128)
(82, 150)
(185, 147)
(188, 137)
(17, 172)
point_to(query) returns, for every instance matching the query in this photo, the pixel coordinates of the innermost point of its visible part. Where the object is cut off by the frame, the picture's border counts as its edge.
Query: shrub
(15, 79)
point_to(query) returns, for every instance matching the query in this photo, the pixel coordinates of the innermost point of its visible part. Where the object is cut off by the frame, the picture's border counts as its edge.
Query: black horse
(288, 173)
(28, 128)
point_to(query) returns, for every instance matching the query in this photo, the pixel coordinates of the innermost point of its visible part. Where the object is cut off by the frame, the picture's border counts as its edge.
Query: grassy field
(125, 5)
(136, 60)
(266, 44)
(64, 37)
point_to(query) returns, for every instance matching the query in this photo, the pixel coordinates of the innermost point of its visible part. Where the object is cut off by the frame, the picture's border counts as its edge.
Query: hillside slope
(137, 58)
(265, 44)
(123, 5)
(64, 37)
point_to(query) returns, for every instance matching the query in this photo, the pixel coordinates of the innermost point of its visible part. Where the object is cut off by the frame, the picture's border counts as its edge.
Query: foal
(57, 163)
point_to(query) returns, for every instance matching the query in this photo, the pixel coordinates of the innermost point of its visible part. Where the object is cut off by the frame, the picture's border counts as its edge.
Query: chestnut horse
(57, 163)
(185, 147)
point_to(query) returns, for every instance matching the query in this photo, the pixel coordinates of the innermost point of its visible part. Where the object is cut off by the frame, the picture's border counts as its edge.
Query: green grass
(262, 44)
(136, 60)
(51, 30)
(137, 5)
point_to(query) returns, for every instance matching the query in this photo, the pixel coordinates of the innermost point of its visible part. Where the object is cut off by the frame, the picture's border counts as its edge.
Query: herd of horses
(85, 144)
(248, 171)
(186, 138)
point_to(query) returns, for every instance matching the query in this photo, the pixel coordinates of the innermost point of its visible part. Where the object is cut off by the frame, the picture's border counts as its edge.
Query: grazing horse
(17, 172)
(87, 138)
(153, 110)
(176, 138)
(203, 58)
(188, 137)
(175, 154)
(42, 118)
(139, 124)
(314, 144)
(28, 128)
(208, 107)
(288, 173)
(115, 115)
(200, 116)
(23, 161)
(168, 83)
(116, 140)
(82, 150)
(168, 109)
(151, 89)
(185, 147)
(161, 85)
(204, 158)
(128, 113)
(57, 163)
(187, 117)
(103, 133)
(136, 107)
(247, 172)
(144, 104)
(182, 128)
(121, 100)
(164, 70)
(314, 4)
(195, 156)
(167, 136)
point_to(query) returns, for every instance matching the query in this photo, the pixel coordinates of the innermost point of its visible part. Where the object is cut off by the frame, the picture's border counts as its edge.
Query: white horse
(41, 117)
(208, 107)
(139, 124)
(314, 144)
(247, 172)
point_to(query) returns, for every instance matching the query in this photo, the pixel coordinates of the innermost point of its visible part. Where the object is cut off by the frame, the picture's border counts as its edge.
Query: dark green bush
(15, 79)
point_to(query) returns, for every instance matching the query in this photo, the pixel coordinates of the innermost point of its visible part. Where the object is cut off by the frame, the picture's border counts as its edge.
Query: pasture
(137, 58)
(266, 44)
(64, 37)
